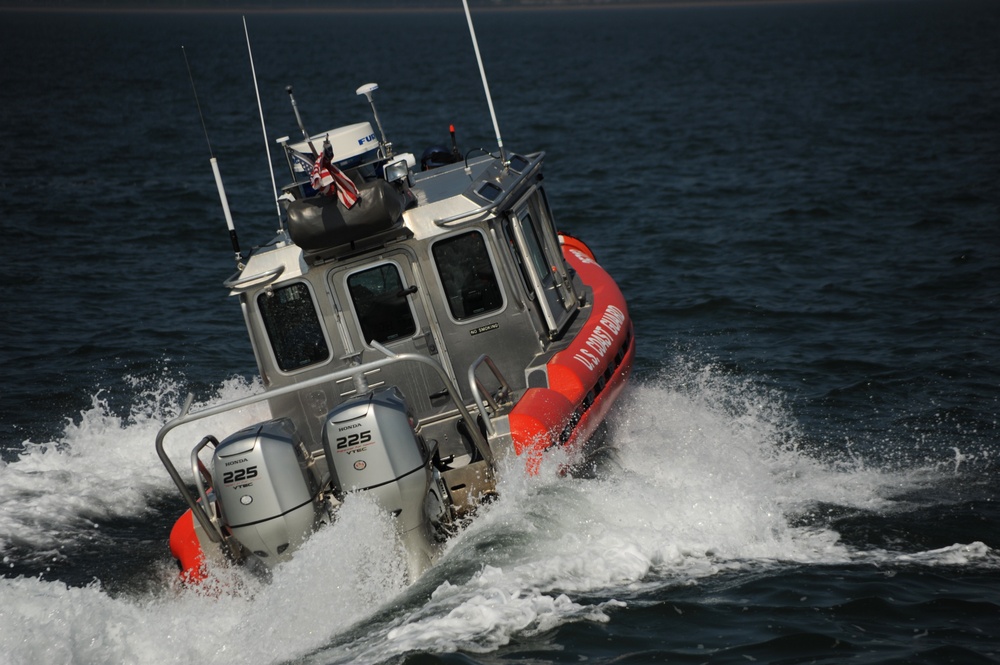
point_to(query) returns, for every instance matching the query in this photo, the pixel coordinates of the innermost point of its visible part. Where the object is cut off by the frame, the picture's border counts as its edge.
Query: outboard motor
(266, 490)
(370, 445)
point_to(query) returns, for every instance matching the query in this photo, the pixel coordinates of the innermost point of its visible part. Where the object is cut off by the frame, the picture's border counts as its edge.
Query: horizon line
(582, 5)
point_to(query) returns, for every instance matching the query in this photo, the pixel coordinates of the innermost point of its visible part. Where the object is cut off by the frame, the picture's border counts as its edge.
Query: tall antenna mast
(260, 110)
(486, 85)
(215, 171)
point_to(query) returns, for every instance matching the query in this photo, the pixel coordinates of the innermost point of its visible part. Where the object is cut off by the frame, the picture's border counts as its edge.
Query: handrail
(492, 205)
(214, 534)
(391, 359)
(272, 273)
(477, 438)
(477, 388)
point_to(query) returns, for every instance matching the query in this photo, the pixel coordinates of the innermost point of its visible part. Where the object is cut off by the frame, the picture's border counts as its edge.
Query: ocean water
(801, 203)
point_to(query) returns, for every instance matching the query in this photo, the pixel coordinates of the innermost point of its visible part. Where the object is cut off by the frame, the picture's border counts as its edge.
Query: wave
(704, 479)
(102, 467)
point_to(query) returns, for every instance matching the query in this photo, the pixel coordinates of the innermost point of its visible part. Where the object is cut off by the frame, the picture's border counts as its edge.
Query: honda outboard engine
(266, 490)
(370, 445)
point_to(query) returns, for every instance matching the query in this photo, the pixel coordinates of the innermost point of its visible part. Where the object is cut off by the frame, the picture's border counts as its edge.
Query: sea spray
(709, 479)
(337, 579)
(102, 467)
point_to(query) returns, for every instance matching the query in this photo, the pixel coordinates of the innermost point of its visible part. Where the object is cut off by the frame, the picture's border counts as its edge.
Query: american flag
(328, 179)
(301, 163)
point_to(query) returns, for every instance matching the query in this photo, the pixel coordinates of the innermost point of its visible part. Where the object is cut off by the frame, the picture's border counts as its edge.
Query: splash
(337, 579)
(103, 467)
(708, 477)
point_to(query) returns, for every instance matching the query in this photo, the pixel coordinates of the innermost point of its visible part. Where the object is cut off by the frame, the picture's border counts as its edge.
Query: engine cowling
(371, 446)
(266, 492)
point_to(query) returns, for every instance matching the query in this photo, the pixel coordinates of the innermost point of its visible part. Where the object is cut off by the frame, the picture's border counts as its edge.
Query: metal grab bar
(391, 359)
(214, 534)
(269, 275)
(493, 205)
(477, 389)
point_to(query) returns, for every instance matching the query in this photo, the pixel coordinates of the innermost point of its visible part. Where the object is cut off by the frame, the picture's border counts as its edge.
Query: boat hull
(584, 379)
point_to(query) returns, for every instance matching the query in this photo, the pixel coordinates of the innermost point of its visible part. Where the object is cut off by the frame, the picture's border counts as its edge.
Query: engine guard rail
(391, 359)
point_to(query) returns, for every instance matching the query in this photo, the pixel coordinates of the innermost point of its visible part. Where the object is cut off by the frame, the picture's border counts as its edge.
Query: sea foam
(708, 477)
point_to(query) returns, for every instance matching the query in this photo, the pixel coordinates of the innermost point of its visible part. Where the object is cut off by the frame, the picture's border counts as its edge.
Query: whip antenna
(215, 171)
(260, 110)
(486, 86)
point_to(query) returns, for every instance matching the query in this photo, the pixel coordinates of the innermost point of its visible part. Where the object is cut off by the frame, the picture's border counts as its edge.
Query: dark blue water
(801, 204)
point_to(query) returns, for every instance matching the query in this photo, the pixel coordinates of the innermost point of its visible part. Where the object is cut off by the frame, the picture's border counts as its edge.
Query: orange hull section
(186, 549)
(586, 378)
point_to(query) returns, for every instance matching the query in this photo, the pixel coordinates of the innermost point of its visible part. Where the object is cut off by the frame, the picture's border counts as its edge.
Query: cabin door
(543, 265)
(382, 301)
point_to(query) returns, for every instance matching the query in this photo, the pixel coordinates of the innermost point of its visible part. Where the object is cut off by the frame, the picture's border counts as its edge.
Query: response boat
(412, 326)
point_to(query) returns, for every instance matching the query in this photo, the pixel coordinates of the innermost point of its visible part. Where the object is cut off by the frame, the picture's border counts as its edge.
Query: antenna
(260, 110)
(486, 85)
(215, 171)
(367, 90)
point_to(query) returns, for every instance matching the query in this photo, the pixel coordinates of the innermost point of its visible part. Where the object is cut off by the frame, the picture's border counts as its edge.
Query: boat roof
(446, 197)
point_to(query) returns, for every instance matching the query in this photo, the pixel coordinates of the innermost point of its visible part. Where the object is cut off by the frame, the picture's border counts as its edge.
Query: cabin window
(467, 276)
(381, 302)
(534, 246)
(509, 236)
(293, 327)
(543, 264)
